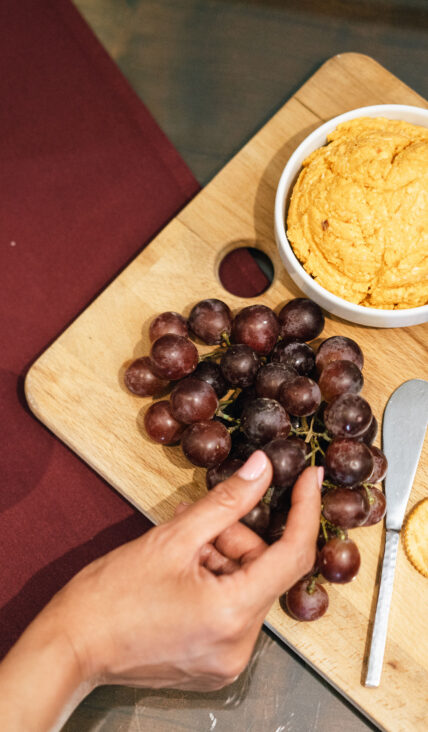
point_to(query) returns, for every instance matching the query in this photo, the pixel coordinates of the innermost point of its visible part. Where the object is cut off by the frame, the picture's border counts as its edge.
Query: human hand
(182, 605)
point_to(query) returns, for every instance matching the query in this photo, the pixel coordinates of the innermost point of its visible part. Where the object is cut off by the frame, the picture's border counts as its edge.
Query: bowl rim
(280, 201)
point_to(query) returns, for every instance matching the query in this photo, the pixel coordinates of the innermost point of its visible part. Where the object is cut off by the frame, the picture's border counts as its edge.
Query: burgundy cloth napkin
(86, 179)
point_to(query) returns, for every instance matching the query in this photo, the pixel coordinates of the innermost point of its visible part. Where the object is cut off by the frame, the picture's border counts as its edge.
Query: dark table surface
(212, 72)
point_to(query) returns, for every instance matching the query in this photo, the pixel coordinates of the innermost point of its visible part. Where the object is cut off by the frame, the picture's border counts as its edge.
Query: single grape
(278, 519)
(239, 365)
(258, 518)
(279, 498)
(348, 462)
(298, 355)
(340, 377)
(271, 377)
(193, 400)
(306, 600)
(339, 560)
(377, 508)
(257, 326)
(345, 507)
(339, 348)
(370, 433)
(380, 465)
(173, 356)
(301, 320)
(221, 472)
(301, 444)
(347, 415)
(244, 397)
(242, 448)
(161, 426)
(210, 319)
(206, 443)
(210, 372)
(168, 322)
(288, 460)
(301, 396)
(263, 419)
(140, 379)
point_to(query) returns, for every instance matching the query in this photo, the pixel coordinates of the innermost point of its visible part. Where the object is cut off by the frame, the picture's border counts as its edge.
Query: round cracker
(415, 537)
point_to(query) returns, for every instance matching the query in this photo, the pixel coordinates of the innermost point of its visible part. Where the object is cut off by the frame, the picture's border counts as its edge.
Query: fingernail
(254, 466)
(320, 476)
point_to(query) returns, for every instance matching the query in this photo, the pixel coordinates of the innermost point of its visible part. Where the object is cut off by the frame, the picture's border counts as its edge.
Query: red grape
(239, 365)
(306, 600)
(210, 372)
(168, 322)
(271, 377)
(161, 426)
(263, 419)
(377, 508)
(348, 462)
(345, 507)
(339, 560)
(173, 356)
(301, 396)
(370, 433)
(347, 415)
(221, 472)
(339, 348)
(288, 460)
(298, 355)
(206, 443)
(278, 519)
(242, 448)
(301, 320)
(140, 379)
(339, 377)
(257, 326)
(210, 319)
(380, 465)
(193, 400)
(258, 518)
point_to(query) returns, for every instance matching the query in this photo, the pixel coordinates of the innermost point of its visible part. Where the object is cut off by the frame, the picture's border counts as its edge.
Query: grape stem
(225, 340)
(223, 415)
(217, 353)
(311, 586)
(369, 494)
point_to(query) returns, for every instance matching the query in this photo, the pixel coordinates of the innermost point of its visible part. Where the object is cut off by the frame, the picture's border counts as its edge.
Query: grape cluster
(265, 387)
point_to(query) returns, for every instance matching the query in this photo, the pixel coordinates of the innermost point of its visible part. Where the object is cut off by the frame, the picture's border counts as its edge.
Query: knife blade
(404, 425)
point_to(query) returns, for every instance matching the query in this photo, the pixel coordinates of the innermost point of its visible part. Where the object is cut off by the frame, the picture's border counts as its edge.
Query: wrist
(41, 679)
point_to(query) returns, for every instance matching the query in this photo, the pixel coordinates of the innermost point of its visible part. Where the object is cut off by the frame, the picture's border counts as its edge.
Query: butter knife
(404, 424)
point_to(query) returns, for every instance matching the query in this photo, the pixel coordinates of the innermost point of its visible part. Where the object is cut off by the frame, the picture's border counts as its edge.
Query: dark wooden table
(212, 72)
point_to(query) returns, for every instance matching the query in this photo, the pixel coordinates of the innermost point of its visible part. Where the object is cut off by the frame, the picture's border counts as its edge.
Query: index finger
(293, 555)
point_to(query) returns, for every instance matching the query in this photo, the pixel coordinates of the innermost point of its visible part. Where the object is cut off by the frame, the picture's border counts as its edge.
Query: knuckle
(229, 622)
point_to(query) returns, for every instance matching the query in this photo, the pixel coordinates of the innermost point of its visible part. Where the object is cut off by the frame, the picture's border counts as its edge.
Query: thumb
(226, 503)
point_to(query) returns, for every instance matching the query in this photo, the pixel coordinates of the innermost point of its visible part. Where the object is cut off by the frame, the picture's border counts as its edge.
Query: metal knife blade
(404, 425)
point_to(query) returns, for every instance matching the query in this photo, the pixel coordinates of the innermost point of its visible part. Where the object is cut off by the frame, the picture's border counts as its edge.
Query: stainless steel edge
(404, 424)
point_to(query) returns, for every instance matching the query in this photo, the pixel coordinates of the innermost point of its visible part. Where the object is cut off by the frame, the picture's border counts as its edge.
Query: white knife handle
(377, 647)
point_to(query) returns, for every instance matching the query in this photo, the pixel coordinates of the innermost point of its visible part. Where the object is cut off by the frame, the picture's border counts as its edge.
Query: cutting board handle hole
(246, 271)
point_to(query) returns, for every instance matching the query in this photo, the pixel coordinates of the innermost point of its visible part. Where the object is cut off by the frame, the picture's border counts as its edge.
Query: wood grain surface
(76, 386)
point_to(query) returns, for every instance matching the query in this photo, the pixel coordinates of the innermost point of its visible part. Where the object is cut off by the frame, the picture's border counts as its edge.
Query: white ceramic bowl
(332, 303)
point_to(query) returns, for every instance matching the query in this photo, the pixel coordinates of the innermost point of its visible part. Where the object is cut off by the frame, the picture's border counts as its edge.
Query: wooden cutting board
(76, 386)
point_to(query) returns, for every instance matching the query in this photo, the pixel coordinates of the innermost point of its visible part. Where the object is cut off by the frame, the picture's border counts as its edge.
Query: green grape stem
(311, 586)
(217, 353)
